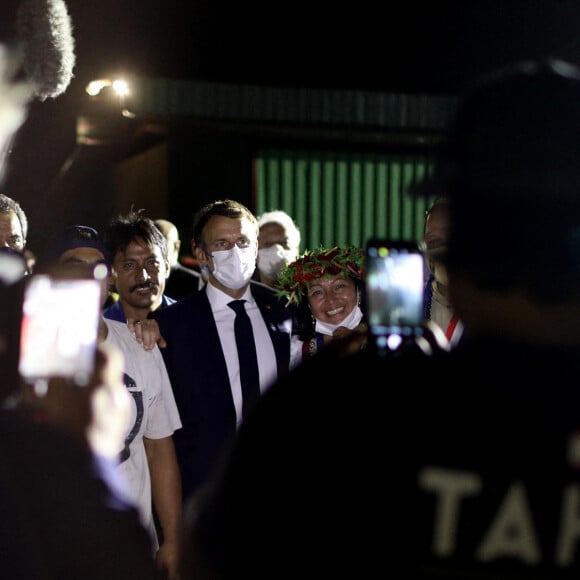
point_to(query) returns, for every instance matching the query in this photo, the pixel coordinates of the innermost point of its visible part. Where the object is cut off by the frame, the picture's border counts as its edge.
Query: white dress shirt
(224, 318)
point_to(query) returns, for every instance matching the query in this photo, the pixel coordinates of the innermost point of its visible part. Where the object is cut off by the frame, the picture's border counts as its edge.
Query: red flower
(296, 277)
(329, 255)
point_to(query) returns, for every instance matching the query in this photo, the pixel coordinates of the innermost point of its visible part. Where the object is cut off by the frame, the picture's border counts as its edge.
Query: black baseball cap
(511, 172)
(76, 237)
(515, 133)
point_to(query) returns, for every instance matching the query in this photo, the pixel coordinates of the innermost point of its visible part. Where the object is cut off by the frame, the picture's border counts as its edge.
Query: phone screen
(59, 328)
(395, 281)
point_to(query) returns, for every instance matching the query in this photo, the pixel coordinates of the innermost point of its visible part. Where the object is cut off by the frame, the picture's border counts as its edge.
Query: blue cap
(77, 237)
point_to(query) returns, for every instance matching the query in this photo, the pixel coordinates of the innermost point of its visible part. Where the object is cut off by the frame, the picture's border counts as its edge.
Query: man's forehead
(326, 281)
(139, 247)
(222, 226)
(273, 230)
(10, 220)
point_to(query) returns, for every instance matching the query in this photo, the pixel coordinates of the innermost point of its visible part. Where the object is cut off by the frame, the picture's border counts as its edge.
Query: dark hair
(223, 207)
(8, 205)
(127, 228)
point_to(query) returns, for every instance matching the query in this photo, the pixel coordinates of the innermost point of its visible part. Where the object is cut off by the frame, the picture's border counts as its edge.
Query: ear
(199, 254)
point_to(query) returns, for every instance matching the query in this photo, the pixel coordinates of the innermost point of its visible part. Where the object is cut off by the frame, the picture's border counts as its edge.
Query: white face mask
(271, 260)
(351, 322)
(234, 268)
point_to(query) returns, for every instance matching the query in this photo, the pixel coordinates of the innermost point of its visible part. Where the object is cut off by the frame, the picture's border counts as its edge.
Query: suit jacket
(197, 370)
(182, 282)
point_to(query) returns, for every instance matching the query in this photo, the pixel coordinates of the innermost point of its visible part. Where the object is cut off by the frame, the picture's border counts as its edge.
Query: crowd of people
(236, 423)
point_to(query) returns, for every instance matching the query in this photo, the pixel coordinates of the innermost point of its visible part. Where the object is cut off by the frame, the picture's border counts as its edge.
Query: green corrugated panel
(288, 186)
(341, 200)
(182, 98)
(369, 200)
(300, 200)
(395, 217)
(314, 214)
(354, 206)
(379, 226)
(328, 201)
(409, 231)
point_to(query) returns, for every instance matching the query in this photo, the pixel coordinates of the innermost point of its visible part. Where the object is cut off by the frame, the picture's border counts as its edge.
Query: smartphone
(394, 291)
(59, 331)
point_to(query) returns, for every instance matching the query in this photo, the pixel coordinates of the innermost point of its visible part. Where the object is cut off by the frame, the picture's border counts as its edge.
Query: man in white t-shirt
(148, 462)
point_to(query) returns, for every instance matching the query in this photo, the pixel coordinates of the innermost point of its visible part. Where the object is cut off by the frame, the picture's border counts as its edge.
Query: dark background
(409, 46)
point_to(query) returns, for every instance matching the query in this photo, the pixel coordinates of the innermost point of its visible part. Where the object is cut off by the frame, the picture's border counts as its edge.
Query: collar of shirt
(224, 318)
(219, 300)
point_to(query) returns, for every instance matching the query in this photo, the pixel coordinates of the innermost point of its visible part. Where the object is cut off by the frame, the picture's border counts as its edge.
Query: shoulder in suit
(182, 281)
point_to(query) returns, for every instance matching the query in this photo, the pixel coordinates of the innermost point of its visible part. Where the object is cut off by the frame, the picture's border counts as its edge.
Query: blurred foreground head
(512, 175)
(42, 33)
(37, 58)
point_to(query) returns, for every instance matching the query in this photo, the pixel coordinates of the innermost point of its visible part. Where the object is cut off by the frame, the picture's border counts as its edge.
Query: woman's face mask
(351, 322)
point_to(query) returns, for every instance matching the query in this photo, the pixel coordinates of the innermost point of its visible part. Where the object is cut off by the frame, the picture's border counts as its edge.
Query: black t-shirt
(464, 464)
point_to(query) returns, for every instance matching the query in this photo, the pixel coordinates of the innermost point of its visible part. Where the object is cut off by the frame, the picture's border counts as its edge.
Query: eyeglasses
(224, 245)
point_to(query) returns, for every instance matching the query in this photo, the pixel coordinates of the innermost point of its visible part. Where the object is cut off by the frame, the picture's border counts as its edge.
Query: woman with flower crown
(326, 287)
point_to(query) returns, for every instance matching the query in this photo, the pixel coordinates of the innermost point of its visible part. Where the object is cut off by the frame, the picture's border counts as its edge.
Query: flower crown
(294, 280)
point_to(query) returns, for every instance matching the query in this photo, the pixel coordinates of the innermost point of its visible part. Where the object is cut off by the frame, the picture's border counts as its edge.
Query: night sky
(410, 46)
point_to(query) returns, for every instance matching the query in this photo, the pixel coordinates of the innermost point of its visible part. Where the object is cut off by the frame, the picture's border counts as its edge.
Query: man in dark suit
(201, 353)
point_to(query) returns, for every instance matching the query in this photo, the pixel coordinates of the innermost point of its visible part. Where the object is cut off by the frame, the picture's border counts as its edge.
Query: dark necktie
(248, 359)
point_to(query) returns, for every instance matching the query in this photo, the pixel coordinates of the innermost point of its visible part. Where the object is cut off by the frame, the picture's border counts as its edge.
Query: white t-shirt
(154, 415)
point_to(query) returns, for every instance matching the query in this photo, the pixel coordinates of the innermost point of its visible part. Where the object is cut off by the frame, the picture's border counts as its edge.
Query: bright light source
(120, 87)
(95, 87)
